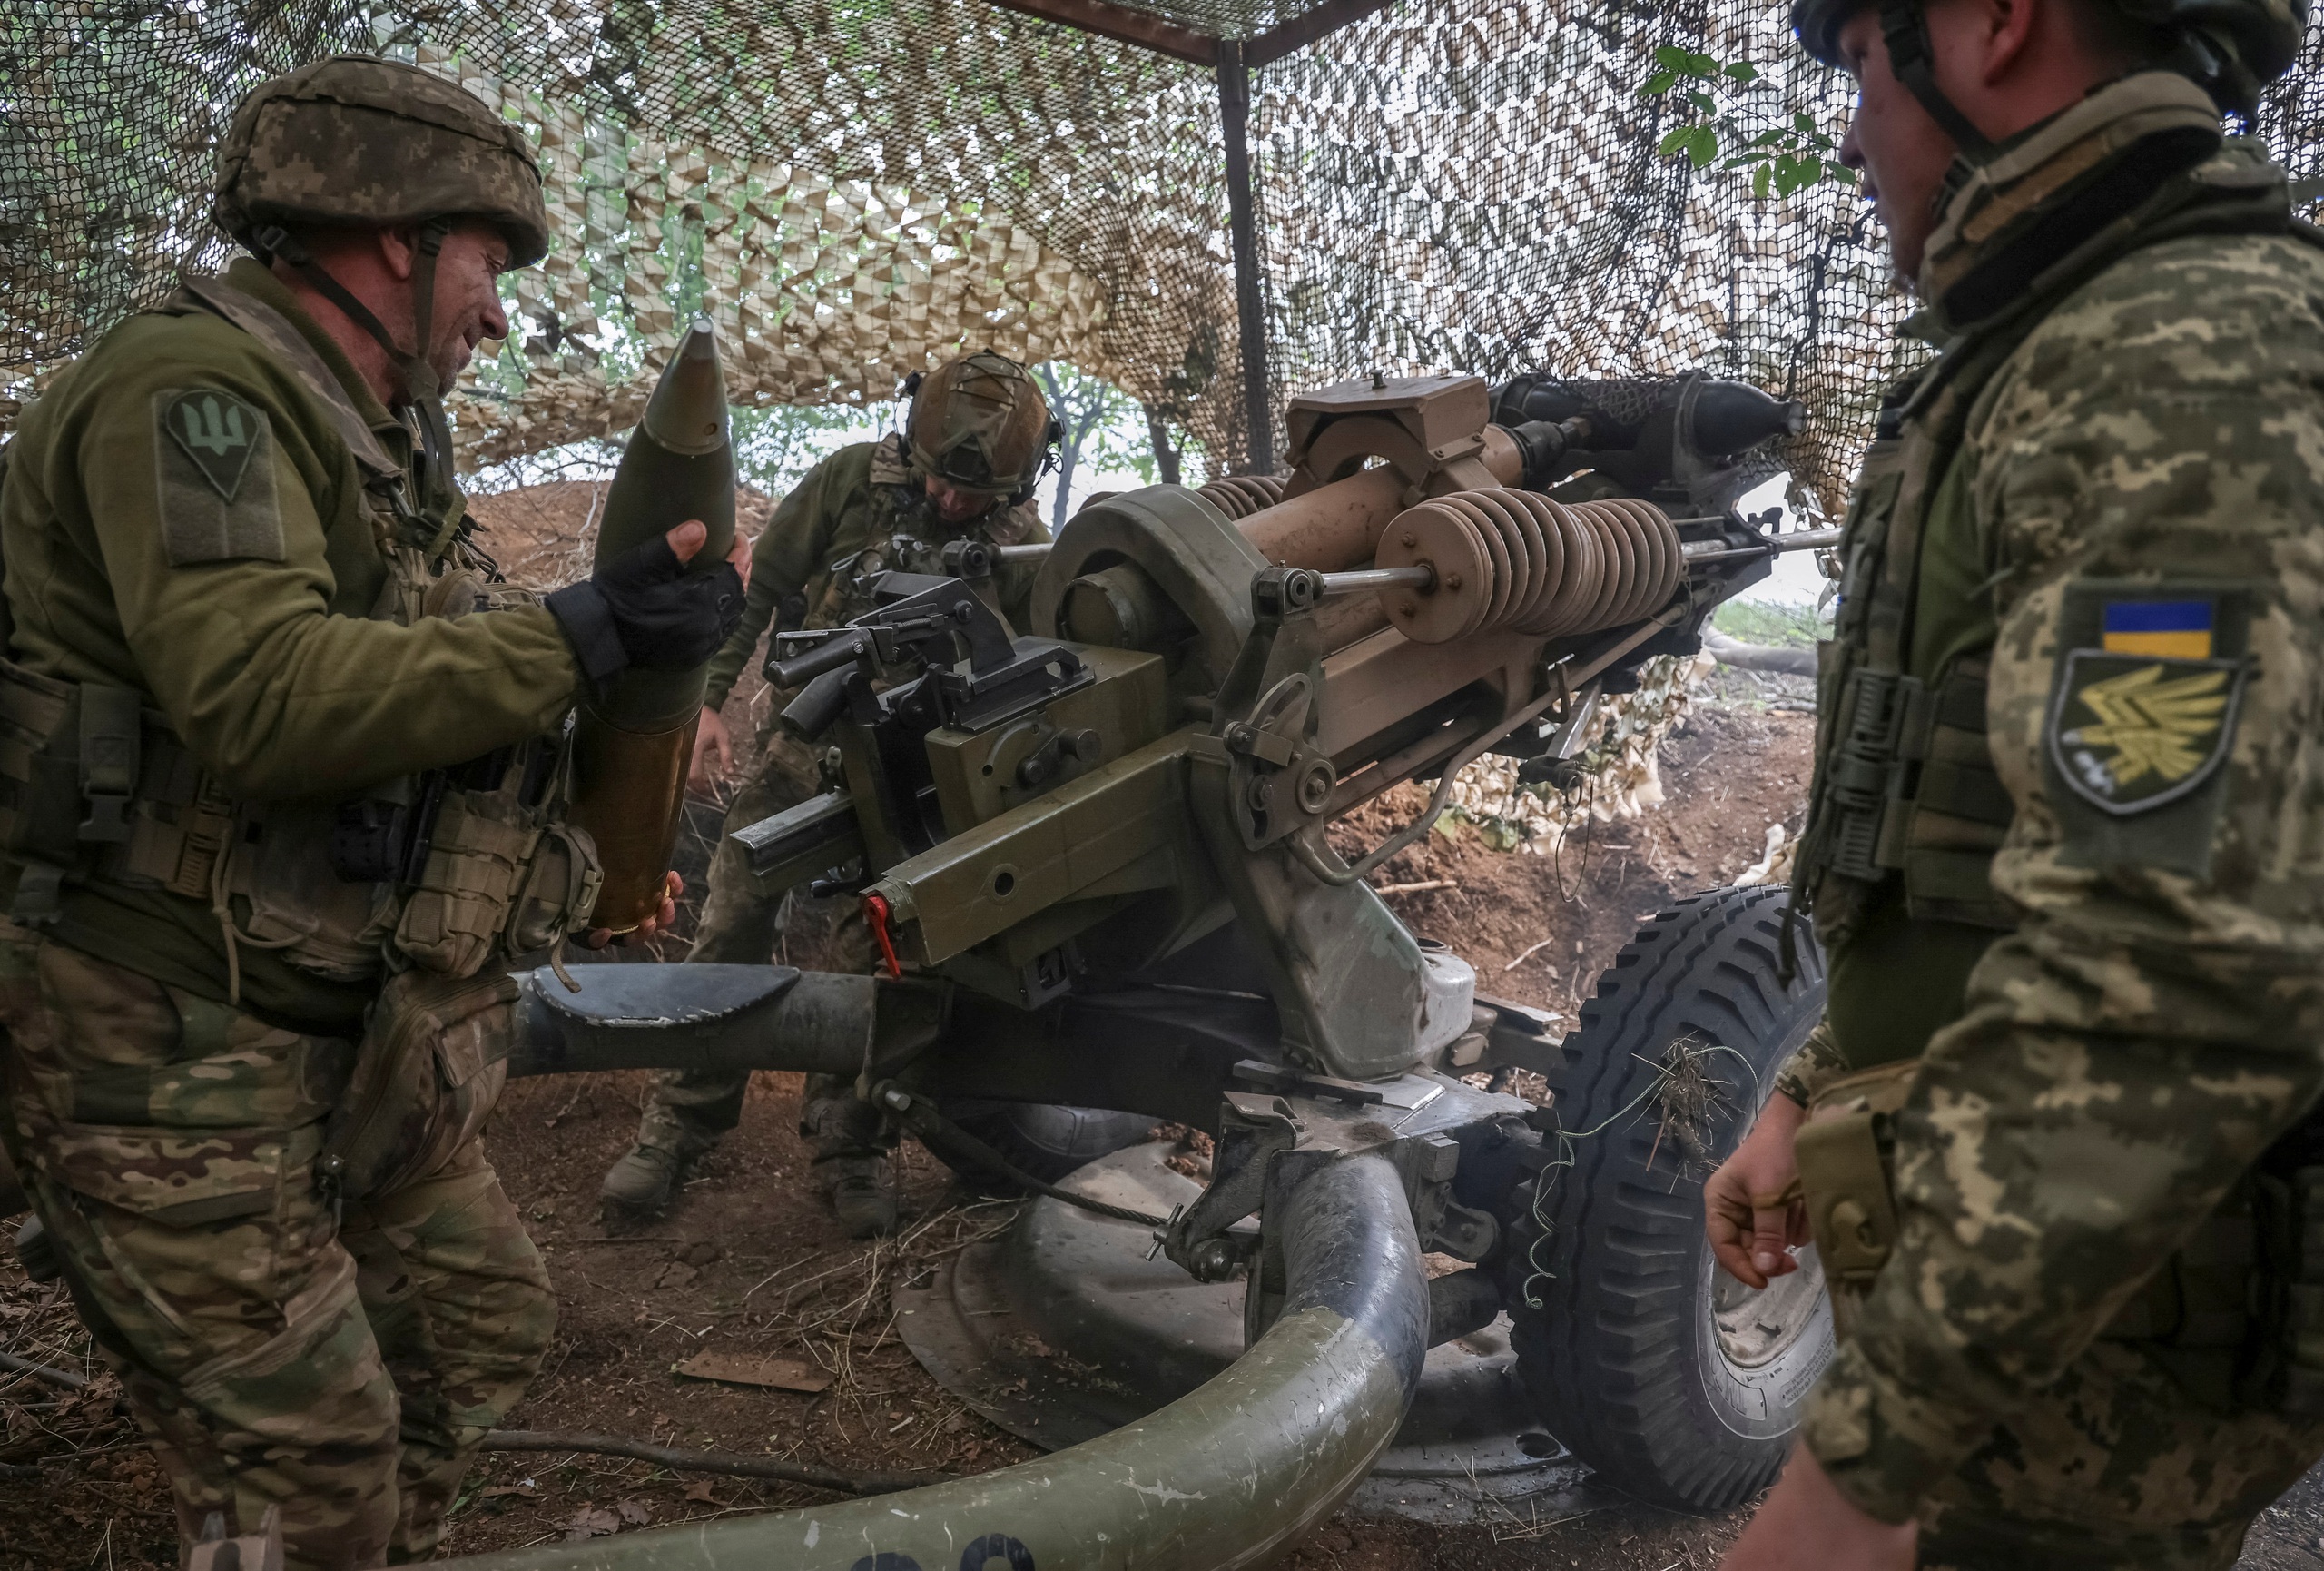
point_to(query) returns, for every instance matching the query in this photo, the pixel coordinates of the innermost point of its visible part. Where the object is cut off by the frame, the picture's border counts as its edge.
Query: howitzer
(1092, 854)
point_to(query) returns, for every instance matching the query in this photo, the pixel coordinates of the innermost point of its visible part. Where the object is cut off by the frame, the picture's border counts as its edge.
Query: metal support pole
(1250, 307)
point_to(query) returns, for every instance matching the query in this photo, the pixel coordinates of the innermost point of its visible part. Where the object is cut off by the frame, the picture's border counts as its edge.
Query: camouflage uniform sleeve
(1817, 1060)
(788, 552)
(199, 489)
(2155, 1022)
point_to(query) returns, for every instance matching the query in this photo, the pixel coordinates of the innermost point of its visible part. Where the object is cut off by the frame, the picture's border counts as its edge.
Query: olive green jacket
(835, 529)
(247, 621)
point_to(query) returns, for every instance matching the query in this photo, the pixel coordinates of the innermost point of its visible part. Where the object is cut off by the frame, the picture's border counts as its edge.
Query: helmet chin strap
(438, 500)
(1905, 27)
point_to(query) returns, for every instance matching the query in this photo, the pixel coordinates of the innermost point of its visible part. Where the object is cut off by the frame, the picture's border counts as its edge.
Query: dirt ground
(749, 1264)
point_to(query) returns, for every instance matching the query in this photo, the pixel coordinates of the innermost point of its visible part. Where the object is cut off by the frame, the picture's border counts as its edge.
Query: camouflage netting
(855, 190)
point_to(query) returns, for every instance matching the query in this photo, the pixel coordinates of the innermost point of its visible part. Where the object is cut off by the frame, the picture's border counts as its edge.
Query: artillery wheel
(1046, 1140)
(1674, 1381)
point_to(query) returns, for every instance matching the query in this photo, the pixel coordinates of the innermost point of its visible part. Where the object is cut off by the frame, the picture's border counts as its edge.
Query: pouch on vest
(431, 1068)
(1844, 1176)
(280, 867)
(474, 881)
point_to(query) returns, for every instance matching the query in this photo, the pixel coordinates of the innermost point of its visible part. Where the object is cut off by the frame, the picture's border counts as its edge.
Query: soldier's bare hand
(1805, 1520)
(687, 539)
(713, 754)
(672, 887)
(1752, 1214)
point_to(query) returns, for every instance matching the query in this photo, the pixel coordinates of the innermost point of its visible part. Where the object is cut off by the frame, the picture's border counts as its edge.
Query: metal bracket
(1252, 1131)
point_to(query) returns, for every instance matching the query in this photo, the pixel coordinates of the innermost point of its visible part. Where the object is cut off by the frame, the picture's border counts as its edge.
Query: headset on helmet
(979, 423)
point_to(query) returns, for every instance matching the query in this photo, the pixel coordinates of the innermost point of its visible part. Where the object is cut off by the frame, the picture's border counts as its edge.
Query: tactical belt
(94, 787)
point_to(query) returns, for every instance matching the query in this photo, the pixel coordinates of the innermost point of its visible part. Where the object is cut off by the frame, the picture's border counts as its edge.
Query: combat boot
(863, 1190)
(641, 1185)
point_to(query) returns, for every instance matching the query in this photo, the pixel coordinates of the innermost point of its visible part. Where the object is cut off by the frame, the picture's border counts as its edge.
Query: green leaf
(1685, 62)
(1703, 102)
(1794, 174)
(1743, 71)
(1759, 181)
(1660, 83)
(1803, 123)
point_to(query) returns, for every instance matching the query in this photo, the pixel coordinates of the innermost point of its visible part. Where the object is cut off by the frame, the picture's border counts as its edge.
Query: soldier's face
(468, 297)
(955, 506)
(1903, 152)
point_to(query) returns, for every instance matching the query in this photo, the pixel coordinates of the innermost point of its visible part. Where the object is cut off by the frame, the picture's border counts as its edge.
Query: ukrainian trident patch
(218, 431)
(2130, 733)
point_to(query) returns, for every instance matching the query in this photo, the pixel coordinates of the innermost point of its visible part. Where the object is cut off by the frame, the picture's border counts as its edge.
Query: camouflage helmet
(2231, 48)
(357, 140)
(979, 422)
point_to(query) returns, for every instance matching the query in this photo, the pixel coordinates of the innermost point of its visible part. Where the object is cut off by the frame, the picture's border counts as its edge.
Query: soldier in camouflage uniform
(977, 438)
(281, 797)
(2056, 1140)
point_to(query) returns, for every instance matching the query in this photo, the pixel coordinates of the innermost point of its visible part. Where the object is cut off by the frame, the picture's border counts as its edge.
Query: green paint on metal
(1223, 1478)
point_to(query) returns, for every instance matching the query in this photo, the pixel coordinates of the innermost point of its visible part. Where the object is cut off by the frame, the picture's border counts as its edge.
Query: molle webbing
(93, 783)
(94, 786)
(1911, 789)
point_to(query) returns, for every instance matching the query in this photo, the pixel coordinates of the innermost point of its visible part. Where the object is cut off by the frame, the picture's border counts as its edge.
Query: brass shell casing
(630, 793)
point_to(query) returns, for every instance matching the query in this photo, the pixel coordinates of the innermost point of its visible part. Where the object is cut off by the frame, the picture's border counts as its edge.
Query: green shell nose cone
(687, 413)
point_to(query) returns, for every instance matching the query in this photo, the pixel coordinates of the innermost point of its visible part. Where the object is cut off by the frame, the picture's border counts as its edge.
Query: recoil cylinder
(1515, 560)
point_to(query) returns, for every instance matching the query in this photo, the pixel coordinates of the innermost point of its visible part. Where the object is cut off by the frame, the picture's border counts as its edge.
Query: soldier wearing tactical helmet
(976, 440)
(283, 804)
(2058, 1139)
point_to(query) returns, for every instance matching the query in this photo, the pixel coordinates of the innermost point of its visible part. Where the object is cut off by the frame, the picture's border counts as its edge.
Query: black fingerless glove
(646, 609)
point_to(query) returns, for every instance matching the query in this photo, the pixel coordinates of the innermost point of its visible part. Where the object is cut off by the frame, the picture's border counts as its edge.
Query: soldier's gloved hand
(643, 608)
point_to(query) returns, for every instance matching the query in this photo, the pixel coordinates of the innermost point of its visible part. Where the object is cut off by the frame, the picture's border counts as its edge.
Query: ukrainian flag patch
(2173, 629)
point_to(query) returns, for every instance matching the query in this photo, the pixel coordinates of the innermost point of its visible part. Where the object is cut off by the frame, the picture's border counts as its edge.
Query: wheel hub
(1757, 1326)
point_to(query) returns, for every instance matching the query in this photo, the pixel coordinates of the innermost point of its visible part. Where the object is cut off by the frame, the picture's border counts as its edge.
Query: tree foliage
(1741, 124)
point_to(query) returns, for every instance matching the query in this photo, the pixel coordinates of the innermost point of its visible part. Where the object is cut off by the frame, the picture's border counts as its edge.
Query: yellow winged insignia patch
(2131, 734)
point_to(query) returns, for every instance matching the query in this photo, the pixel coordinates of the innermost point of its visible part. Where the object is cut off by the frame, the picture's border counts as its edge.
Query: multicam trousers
(690, 1110)
(275, 1347)
(2117, 1464)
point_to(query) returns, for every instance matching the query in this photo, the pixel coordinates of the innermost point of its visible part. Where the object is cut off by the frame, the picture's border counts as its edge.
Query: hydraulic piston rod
(1223, 1478)
(1805, 540)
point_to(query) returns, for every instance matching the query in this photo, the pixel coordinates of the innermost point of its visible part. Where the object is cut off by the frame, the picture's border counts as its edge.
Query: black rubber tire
(1623, 1358)
(1047, 1140)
